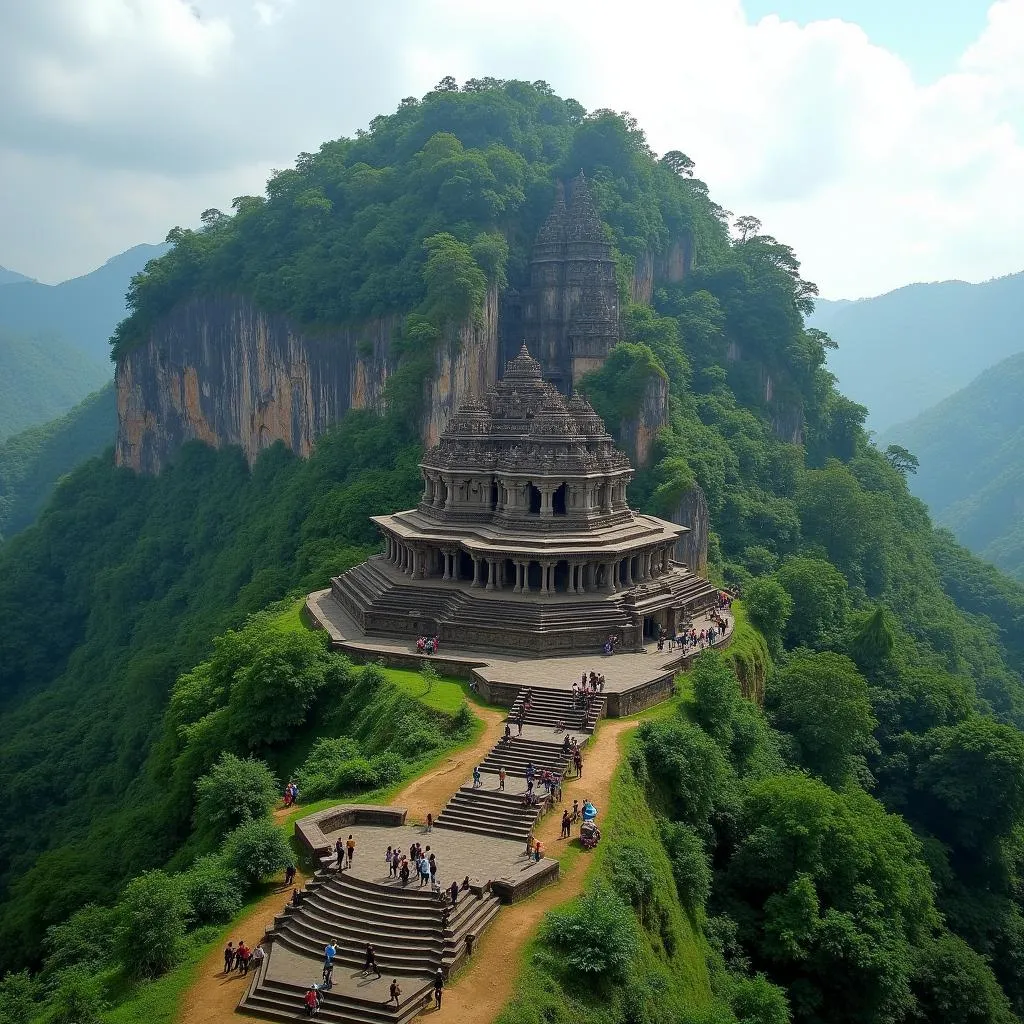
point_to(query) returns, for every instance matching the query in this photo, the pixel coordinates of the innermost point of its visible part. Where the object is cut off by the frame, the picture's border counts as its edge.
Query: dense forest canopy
(843, 866)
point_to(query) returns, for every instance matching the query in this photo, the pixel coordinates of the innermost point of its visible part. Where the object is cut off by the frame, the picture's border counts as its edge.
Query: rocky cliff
(222, 371)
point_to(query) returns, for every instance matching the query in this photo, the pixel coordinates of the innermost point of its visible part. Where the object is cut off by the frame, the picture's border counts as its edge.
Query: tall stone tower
(570, 312)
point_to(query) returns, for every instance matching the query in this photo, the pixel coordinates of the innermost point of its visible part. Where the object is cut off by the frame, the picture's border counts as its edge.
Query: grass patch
(441, 693)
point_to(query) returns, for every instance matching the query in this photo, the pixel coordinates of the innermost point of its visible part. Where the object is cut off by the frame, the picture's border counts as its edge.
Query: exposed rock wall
(668, 267)
(637, 434)
(692, 547)
(219, 370)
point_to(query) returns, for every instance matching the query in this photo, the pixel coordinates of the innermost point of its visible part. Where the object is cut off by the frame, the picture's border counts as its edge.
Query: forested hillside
(970, 448)
(32, 462)
(42, 377)
(952, 328)
(850, 853)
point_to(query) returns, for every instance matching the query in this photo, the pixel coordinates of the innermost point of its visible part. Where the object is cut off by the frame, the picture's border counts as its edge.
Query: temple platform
(633, 680)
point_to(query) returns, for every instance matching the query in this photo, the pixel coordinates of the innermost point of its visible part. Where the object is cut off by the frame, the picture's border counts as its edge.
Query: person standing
(229, 957)
(566, 824)
(438, 987)
(371, 961)
(350, 850)
(328, 974)
(476, 777)
(501, 777)
(259, 954)
(289, 873)
(330, 952)
(430, 822)
(396, 991)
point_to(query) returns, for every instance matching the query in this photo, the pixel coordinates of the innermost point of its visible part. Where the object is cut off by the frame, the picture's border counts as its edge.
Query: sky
(882, 139)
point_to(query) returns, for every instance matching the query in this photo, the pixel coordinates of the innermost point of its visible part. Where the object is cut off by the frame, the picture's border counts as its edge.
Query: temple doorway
(561, 577)
(534, 500)
(558, 501)
(494, 495)
(465, 567)
(533, 575)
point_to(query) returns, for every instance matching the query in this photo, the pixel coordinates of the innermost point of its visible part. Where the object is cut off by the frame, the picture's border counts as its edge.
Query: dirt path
(213, 997)
(488, 983)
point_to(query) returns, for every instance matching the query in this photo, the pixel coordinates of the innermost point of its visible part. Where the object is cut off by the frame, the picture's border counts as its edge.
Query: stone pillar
(571, 586)
(476, 572)
(581, 582)
(543, 577)
(609, 576)
(608, 500)
(491, 573)
(545, 502)
(445, 574)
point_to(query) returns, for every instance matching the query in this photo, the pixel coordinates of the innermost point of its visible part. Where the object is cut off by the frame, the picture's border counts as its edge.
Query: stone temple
(523, 541)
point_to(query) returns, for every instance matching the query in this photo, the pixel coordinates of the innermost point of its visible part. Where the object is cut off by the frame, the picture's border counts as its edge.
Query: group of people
(573, 755)
(427, 644)
(587, 689)
(241, 958)
(699, 638)
(291, 794)
(344, 852)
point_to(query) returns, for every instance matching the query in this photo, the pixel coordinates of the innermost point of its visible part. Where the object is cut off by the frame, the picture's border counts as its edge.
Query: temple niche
(523, 539)
(569, 313)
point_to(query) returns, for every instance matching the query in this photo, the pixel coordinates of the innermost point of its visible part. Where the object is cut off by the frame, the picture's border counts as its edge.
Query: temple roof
(524, 425)
(583, 223)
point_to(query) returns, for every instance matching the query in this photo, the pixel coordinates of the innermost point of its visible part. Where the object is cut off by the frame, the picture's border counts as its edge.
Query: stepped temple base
(633, 680)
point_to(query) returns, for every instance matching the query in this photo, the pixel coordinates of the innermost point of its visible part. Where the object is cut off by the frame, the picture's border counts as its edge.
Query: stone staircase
(489, 811)
(548, 707)
(406, 926)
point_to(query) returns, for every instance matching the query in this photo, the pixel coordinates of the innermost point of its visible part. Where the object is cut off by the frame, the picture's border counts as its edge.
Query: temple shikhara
(523, 540)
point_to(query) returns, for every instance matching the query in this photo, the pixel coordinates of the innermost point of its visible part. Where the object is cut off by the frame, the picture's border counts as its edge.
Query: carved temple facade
(523, 539)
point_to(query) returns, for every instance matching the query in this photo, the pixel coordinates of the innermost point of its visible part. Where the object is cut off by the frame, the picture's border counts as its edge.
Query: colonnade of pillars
(514, 496)
(499, 572)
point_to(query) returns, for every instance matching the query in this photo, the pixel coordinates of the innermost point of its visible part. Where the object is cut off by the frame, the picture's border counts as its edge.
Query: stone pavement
(623, 672)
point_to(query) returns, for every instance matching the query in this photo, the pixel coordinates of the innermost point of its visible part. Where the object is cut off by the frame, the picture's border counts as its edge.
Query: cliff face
(637, 434)
(222, 371)
(692, 547)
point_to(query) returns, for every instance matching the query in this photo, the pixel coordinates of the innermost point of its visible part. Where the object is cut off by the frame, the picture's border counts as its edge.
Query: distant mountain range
(13, 277)
(902, 352)
(83, 311)
(971, 450)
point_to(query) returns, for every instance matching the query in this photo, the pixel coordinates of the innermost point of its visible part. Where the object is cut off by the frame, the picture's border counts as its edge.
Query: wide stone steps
(277, 1000)
(471, 916)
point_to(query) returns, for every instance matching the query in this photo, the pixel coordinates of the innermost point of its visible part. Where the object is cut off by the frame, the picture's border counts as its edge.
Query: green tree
(716, 696)
(972, 776)
(822, 701)
(256, 849)
(19, 998)
(769, 607)
(687, 766)
(78, 999)
(832, 897)
(234, 790)
(86, 938)
(212, 890)
(905, 463)
(756, 1000)
(821, 601)
(953, 984)
(690, 867)
(595, 936)
(151, 916)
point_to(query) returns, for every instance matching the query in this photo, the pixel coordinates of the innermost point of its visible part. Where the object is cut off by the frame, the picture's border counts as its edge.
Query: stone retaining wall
(312, 830)
(509, 890)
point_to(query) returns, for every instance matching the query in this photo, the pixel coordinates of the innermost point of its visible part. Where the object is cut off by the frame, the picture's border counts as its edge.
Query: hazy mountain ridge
(951, 329)
(971, 452)
(13, 277)
(83, 310)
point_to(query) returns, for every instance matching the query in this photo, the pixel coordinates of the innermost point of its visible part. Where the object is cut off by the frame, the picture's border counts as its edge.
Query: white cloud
(131, 116)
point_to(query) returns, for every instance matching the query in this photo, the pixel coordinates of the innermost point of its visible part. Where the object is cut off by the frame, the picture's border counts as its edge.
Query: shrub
(716, 696)
(151, 916)
(234, 790)
(19, 995)
(256, 849)
(633, 875)
(212, 890)
(86, 937)
(757, 1001)
(355, 775)
(389, 768)
(690, 866)
(463, 720)
(595, 935)
(78, 999)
